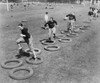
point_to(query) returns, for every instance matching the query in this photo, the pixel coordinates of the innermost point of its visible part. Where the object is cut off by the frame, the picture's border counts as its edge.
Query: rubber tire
(39, 51)
(77, 31)
(15, 77)
(3, 64)
(46, 43)
(24, 20)
(35, 62)
(63, 31)
(72, 35)
(60, 36)
(49, 49)
(87, 22)
(77, 26)
(65, 40)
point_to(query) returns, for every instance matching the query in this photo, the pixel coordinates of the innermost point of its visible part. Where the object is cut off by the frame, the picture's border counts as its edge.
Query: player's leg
(44, 24)
(72, 25)
(96, 14)
(50, 33)
(68, 26)
(19, 41)
(54, 32)
(31, 48)
(91, 17)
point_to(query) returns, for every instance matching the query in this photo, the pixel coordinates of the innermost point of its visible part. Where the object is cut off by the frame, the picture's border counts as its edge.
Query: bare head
(73, 13)
(46, 13)
(51, 18)
(20, 26)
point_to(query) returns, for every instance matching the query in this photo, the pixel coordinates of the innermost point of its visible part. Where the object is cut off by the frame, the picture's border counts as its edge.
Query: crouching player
(70, 21)
(25, 38)
(51, 26)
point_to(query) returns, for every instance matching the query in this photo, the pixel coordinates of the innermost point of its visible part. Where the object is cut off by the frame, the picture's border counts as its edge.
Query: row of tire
(50, 47)
(19, 66)
(64, 37)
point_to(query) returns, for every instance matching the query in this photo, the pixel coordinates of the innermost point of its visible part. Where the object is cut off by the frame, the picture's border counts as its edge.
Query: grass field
(76, 62)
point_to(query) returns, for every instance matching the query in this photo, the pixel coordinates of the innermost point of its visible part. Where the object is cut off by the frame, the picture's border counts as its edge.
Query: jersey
(90, 13)
(24, 31)
(71, 17)
(51, 24)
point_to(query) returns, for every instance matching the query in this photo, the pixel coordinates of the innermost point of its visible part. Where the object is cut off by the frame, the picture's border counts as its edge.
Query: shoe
(32, 58)
(49, 39)
(54, 36)
(18, 56)
(38, 58)
(20, 51)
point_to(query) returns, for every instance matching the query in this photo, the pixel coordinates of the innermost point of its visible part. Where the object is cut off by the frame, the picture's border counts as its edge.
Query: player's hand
(66, 18)
(46, 27)
(57, 25)
(22, 35)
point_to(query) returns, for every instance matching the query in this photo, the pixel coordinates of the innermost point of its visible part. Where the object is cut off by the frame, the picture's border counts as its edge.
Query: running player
(25, 38)
(70, 21)
(52, 29)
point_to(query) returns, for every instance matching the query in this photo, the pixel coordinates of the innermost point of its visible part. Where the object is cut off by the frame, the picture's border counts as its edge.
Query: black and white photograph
(49, 41)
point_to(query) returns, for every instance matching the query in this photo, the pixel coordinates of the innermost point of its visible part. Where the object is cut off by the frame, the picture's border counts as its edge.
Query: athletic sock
(49, 38)
(54, 36)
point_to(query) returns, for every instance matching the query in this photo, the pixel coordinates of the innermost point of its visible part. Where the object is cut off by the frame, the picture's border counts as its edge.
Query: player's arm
(74, 18)
(22, 35)
(66, 17)
(46, 24)
(55, 22)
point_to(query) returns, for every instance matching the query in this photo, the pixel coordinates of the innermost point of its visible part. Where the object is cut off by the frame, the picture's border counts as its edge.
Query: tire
(60, 36)
(86, 27)
(72, 35)
(87, 22)
(24, 21)
(77, 31)
(77, 26)
(36, 61)
(15, 77)
(28, 50)
(51, 48)
(44, 42)
(37, 51)
(3, 64)
(63, 31)
(66, 40)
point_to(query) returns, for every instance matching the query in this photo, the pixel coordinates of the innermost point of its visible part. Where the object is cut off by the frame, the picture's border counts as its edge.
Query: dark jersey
(24, 31)
(71, 17)
(92, 8)
(90, 13)
(51, 24)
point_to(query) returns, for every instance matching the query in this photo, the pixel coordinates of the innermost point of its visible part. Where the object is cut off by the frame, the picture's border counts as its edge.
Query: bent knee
(19, 40)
